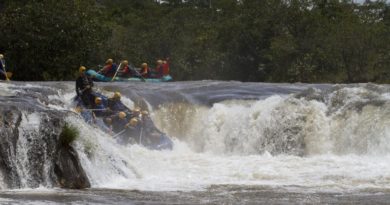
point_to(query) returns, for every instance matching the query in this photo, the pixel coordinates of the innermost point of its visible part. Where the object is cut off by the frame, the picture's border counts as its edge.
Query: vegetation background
(335, 41)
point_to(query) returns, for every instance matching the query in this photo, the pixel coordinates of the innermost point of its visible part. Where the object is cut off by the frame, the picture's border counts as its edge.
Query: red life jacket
(109, 70)
(165, 69)
(147, 71)
(126, 69)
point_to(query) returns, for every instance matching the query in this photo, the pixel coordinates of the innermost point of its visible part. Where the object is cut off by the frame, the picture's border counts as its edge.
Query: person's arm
(105, 69)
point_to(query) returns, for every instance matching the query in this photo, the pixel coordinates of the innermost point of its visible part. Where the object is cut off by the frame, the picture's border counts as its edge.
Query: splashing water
(318, 137)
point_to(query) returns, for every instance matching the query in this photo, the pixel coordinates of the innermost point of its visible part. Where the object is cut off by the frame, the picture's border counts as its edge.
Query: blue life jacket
(112, 70)
(116, 105)
(100, 110)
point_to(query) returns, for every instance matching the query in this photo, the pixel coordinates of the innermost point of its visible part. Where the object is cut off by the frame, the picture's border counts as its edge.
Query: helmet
(98, 100)
(125, 62)
(133, 122)
(82, 69)
(1, 56)
(108, 120)
(117, 95)
(164, 62)
(137, 109)
(144, 112)
(109, 61)
(144, 65)
(121, 115)
(159, 62)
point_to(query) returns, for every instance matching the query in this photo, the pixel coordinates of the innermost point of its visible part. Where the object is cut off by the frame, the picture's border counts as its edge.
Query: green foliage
(49, 39)
(247, 40)
(68, 134)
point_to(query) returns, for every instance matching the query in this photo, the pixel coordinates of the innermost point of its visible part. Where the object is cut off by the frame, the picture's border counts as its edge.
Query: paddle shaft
(117, 69)
(119, 133)
(139, 74)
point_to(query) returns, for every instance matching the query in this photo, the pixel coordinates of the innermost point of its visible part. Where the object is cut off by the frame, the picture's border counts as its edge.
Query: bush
(68, 134)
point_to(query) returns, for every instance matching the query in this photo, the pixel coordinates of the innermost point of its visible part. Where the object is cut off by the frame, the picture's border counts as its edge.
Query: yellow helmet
(125, 62)
(122, 115)
(1, 56)
(144, 65)
(117, 95)
(144, 112)
(133, 122)
(82, 69)
(137, 109)
(109, 61)
(98, 100)
(108, 120)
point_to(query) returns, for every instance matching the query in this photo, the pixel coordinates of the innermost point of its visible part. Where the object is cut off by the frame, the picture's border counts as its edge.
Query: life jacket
(147, 70)
(126, 69)
(159, 71)
(100, 110)
(118, 124)
(116, 105)
(110, 70)
(81, 83)
(165, 69)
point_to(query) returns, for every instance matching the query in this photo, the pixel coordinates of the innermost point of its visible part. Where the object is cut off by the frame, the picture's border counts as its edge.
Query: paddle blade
(9, 74)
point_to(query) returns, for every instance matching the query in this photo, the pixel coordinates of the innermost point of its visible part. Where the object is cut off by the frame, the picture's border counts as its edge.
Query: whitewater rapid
(316, 137)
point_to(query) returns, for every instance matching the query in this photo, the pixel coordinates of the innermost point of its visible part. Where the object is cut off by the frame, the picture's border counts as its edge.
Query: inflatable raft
(99, 77)
(155, 140)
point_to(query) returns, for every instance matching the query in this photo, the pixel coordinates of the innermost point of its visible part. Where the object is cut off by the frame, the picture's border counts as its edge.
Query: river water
(234, 143)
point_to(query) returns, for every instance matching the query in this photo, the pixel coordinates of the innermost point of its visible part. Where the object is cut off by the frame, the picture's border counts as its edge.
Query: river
(234, 143)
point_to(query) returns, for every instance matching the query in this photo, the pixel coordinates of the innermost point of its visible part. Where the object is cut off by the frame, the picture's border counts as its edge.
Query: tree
(50, 39)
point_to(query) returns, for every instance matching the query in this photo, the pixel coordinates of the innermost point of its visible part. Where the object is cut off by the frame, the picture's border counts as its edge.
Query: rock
(68, 169)
(31, 154)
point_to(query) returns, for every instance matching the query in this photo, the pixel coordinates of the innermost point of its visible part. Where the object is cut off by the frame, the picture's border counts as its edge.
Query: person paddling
(115, 104)
(99, 109)
(84, 86)
(109, 69)
(145, 70)
(159, 69)
(124, 71)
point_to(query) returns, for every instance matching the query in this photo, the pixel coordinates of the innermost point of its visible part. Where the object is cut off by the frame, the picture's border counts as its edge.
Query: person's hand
(88, 87)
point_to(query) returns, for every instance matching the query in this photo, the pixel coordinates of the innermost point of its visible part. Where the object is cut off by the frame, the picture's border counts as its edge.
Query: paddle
(117, 69)
(9, 74)
(135, 70)
(5, 71)
(119, 133)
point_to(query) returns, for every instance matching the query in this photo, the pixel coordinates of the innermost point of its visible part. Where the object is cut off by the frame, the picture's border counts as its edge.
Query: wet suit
(83, 91)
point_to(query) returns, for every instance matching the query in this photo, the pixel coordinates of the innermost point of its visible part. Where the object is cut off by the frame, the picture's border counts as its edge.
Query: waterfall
(327, 136)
